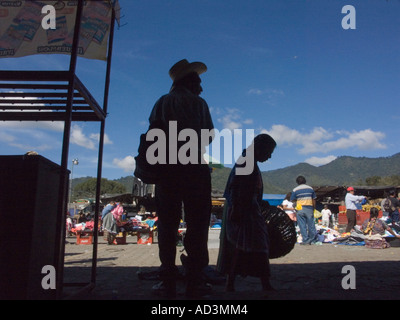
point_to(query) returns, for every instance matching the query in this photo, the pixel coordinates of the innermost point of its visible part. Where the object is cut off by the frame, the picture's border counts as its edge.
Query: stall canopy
(337, 193)
(274, 199)
(47, 27)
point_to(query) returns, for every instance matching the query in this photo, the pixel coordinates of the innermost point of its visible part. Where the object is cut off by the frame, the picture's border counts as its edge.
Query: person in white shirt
(326, 214)
(287, 206)
(350, 201)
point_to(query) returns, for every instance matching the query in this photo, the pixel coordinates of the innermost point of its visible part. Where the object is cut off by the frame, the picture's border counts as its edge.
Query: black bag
(281, 231)
(148, 173)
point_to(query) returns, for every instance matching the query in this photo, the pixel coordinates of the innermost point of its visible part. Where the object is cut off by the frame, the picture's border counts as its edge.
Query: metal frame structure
(61, 96)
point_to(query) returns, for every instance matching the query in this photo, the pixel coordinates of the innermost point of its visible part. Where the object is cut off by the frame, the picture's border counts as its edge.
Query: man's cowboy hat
(183, 68)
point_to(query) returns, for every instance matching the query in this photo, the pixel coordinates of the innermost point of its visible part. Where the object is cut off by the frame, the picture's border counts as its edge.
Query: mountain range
(343, 171)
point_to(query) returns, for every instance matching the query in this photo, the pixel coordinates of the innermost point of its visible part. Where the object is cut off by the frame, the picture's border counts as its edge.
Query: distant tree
(373, 181)
(88, 188)
(393, 180)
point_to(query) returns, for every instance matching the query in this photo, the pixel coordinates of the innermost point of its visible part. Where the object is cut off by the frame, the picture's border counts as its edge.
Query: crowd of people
(244, 241)
(113, 221)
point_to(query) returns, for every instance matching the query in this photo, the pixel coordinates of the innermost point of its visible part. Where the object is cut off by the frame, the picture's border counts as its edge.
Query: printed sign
(23, 28)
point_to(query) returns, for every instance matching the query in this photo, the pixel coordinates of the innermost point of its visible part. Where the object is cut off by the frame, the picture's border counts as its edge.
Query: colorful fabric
(375, 229)
(110, 224)
(377, 244)
(117, 212)
(378, 226)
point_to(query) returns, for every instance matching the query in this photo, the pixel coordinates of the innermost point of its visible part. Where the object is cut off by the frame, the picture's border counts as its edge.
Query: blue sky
(287, 68)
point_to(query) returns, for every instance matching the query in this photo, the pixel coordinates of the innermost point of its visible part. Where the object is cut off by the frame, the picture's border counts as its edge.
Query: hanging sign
(47, 27)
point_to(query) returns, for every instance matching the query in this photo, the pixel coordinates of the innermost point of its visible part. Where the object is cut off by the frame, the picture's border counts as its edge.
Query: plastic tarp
(274, 199)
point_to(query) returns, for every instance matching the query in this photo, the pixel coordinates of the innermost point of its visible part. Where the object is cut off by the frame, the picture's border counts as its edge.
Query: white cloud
(127, 163)
(247, 121)
(28, 147)
(80, 139)
(271, 96)
(5, 137)
(96, 137)
(323, 141)
(284, 135)
(363, 140)
(232, 119)
(30, 135)
(45, 135)
(255, 91)
(269, 92)
(13, 131)
(316, 161)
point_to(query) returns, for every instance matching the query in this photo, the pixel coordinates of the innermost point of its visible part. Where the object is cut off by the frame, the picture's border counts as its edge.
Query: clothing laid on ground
(375, 230)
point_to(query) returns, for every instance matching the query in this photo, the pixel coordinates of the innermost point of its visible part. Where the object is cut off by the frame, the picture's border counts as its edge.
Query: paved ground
(308, 272)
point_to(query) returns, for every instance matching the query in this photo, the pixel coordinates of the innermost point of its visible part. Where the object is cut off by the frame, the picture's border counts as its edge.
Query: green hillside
(344, 170)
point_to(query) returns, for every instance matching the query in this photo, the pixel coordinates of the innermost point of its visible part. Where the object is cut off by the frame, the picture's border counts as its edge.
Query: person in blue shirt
(351, 202)
(107, 209)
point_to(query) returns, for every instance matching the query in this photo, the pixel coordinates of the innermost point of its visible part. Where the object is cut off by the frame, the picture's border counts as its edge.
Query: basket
(281, 231)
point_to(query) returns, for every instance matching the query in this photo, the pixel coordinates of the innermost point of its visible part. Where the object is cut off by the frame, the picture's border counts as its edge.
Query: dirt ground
(306, 273)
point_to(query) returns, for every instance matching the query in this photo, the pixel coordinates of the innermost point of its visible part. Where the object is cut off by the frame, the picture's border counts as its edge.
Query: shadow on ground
(374, 280)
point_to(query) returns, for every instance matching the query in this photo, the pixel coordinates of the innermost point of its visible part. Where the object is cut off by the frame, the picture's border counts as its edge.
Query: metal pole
(65, 149)
(70, 185)
(74, 163)
(101, 147)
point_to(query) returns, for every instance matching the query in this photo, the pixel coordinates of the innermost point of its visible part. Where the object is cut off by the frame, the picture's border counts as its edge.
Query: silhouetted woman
(244, 248)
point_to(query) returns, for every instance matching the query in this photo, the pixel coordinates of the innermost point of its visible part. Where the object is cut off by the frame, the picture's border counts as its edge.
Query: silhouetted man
(187, 183)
